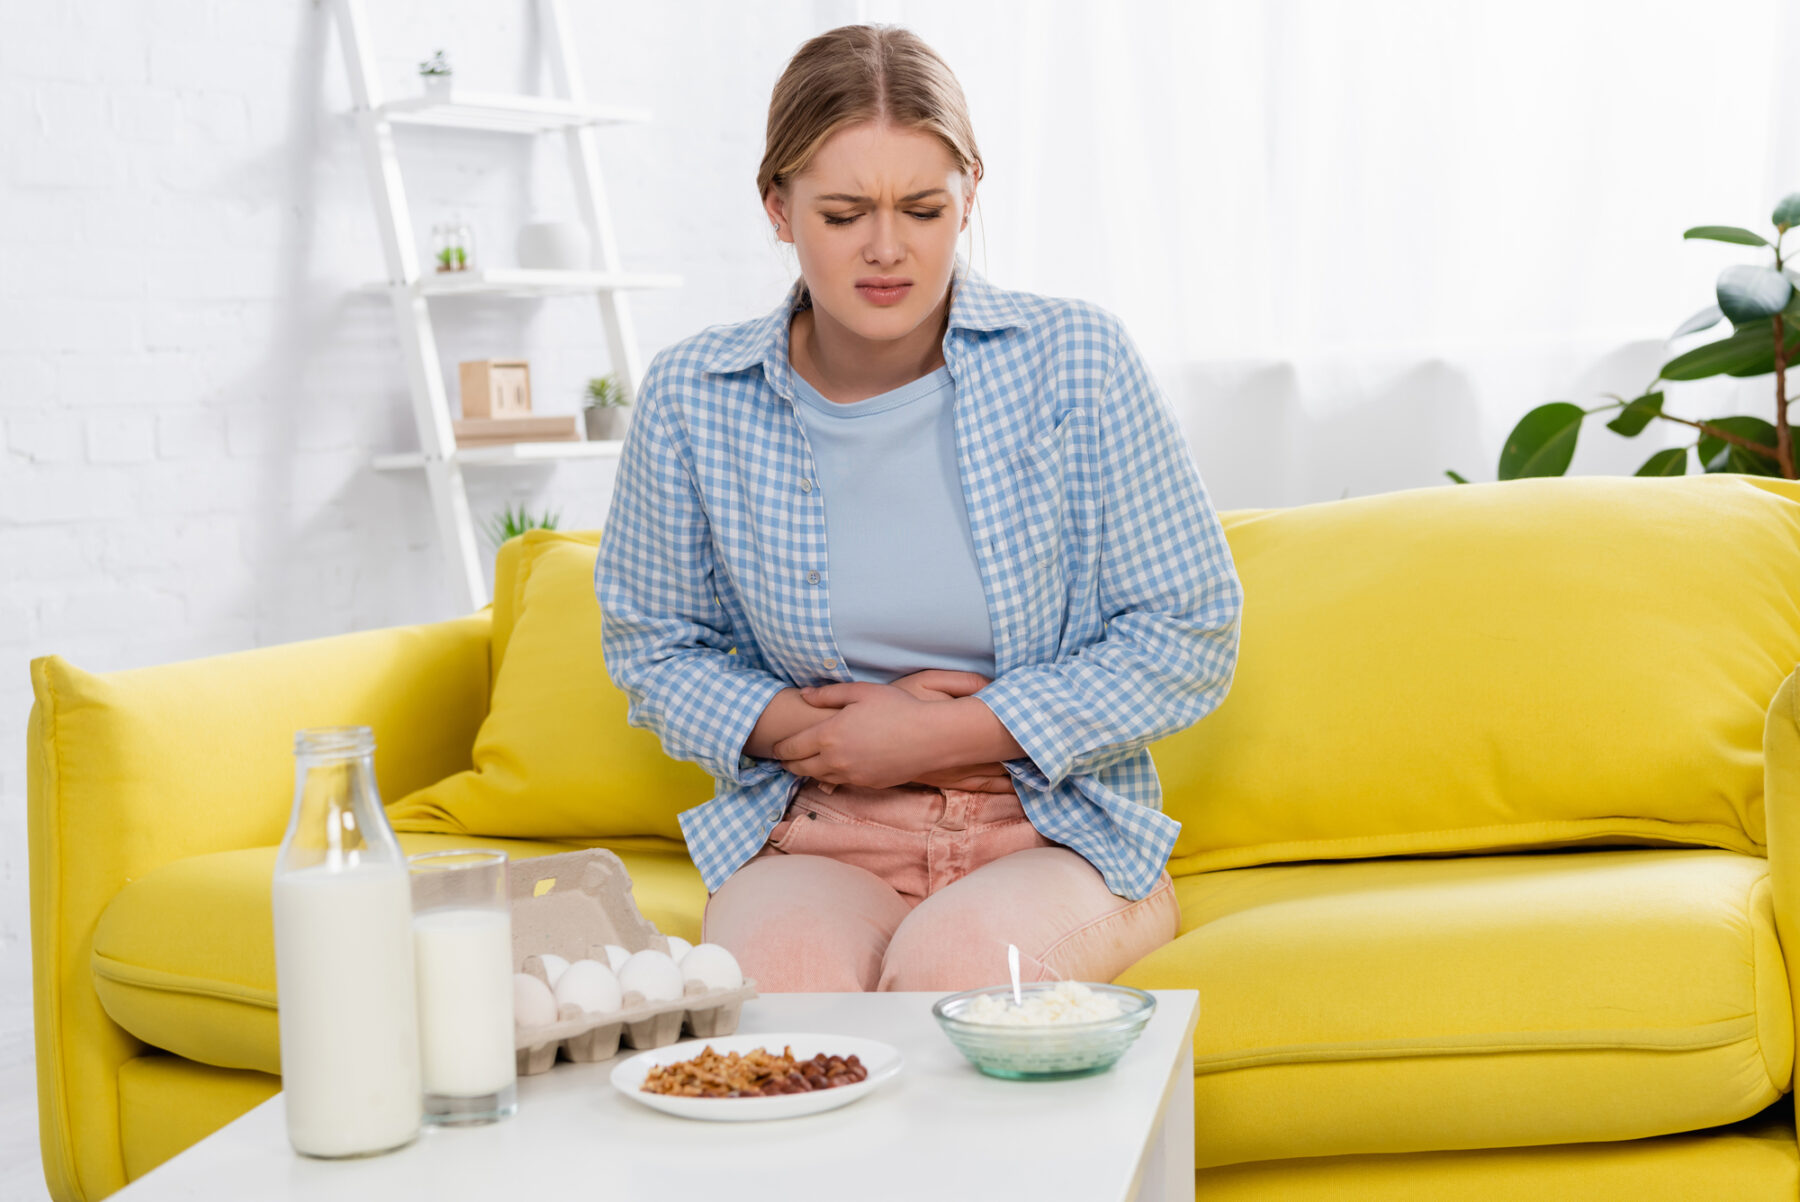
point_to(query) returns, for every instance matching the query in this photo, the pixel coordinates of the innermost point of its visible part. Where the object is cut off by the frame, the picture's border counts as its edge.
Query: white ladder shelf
(569, 113)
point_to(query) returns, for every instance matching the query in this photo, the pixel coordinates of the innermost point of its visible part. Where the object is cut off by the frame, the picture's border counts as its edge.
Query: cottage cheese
(1065, 1002)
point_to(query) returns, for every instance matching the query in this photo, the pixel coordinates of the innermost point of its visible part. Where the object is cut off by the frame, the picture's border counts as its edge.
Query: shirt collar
(975, 304)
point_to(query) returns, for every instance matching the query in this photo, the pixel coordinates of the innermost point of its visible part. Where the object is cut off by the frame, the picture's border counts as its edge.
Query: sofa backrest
(1534, 663)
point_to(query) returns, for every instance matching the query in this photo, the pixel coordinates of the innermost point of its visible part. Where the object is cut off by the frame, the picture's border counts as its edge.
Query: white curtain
(1359, 240)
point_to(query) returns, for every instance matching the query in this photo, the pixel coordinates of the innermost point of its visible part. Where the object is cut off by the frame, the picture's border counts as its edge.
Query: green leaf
(1672, 462)
(1727, 233)
(1716, 454)
(1749, 463)
(1637, 415)
(1543, 442)
(1703, 320)
(1749, 293)
(1455, 476)
(1787, 212)
(1748, 352)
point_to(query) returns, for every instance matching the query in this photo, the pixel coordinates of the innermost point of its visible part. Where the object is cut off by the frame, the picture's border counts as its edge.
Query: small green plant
(603, 392)
(510, 523)
(1763, 304)
(437, 64)
(446, 259)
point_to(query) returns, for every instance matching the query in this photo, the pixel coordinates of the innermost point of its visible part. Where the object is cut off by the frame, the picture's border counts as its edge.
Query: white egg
(652, 974)
(533, 1003)
(712, 966)
(616, 956)
(589, 985)
(554, 967)
(678, 947)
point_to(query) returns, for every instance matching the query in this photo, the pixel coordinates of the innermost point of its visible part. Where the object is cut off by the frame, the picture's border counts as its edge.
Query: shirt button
(775, 817)
(812, 578)
(830, 665)
(806, 486)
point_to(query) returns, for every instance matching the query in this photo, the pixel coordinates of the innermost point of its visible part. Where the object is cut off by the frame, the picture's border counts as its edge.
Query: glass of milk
(462, 950)
(342, 905)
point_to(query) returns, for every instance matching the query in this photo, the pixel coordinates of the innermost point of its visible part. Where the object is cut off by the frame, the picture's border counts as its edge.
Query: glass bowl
(1048, 1052)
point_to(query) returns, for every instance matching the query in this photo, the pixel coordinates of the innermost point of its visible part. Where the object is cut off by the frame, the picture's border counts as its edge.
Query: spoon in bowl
(1012, 966)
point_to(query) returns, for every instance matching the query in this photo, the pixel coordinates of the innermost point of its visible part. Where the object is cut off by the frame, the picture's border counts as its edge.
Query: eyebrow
(867, 200)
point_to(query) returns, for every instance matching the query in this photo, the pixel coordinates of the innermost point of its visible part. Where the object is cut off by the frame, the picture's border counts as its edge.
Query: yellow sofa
(1486, 868)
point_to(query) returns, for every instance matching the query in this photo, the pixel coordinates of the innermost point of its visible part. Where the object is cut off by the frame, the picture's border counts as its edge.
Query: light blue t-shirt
(904, 585)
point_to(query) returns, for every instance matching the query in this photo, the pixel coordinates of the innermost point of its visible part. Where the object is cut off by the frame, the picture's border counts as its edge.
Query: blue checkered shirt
(1114, 601)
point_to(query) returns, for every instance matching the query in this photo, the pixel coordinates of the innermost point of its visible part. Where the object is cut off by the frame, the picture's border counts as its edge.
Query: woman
(917, 568)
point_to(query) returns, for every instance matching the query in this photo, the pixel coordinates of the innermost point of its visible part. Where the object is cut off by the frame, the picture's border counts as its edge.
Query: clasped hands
(926, 728)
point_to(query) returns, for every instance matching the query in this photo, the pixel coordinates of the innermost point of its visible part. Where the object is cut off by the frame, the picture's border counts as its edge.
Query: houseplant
(604, 410)
(510, 523)
(1762, 302)
(435, 73)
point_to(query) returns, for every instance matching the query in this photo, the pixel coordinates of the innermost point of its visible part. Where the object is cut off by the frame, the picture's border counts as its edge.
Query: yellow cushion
(1479, 1001)
(1750, 1161)
(184, 958)
(1524, 664)
(554, 758)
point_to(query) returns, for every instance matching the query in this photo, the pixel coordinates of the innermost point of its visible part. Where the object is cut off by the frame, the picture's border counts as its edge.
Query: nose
(884, 238)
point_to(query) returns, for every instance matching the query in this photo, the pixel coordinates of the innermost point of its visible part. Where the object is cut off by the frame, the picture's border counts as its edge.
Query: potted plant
(1762, 302)
(435, 73)
(452, 244)
(604, 409)
(510, 523)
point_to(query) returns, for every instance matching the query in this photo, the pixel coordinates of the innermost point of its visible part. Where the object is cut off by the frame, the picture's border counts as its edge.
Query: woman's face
(876, 205)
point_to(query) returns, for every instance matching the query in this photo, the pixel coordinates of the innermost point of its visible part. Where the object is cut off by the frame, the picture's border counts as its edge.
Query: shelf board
(509, 453)
(521, 281)
(506, 113)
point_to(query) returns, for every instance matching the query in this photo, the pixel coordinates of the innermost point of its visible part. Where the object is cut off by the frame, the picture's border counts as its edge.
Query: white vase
(437, 87)
(606, 424)
(554, 246)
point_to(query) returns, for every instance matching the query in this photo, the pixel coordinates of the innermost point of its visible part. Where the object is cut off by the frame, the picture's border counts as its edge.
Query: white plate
(882, 1060)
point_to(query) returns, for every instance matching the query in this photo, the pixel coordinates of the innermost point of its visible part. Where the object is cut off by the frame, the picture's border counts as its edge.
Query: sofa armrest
(127, 771)
(1781, 812)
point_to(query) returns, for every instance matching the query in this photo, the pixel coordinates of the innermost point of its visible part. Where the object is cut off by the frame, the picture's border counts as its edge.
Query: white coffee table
(938, 1130)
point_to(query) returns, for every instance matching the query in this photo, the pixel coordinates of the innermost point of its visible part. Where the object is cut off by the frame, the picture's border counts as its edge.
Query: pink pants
(920, 888)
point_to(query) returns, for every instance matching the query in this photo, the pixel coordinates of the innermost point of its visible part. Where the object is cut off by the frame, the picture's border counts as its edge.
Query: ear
(776, 207)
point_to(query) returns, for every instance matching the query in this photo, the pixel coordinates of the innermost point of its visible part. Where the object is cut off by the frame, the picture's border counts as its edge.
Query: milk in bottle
(344, 974)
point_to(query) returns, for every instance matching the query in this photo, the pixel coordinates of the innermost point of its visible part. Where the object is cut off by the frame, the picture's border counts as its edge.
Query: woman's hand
(884, 735)
(876, 739)
(942, 684)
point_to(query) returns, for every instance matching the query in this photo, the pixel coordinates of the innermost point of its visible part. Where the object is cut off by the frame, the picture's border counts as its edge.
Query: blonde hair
(855, 74)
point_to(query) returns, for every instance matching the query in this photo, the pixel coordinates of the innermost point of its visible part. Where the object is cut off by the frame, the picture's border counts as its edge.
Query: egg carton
(641, 1024)
(573, 905)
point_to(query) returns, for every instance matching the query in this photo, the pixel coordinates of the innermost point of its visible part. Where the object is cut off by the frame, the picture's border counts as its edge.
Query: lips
(883, 293)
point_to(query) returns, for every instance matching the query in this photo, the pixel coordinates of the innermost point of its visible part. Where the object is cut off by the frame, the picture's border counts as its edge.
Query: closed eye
(932, 215)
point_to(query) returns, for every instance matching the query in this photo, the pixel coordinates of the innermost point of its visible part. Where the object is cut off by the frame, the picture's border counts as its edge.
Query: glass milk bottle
(344, 958)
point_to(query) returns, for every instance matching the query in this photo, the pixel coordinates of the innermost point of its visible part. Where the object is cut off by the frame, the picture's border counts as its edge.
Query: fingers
(802, 746)
(836, 696)
(814, 768)
(923, 693)
(944, 680)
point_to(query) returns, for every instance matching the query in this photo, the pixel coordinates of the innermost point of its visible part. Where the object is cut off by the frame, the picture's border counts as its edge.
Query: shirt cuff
(751, 694)
(1047, 758)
